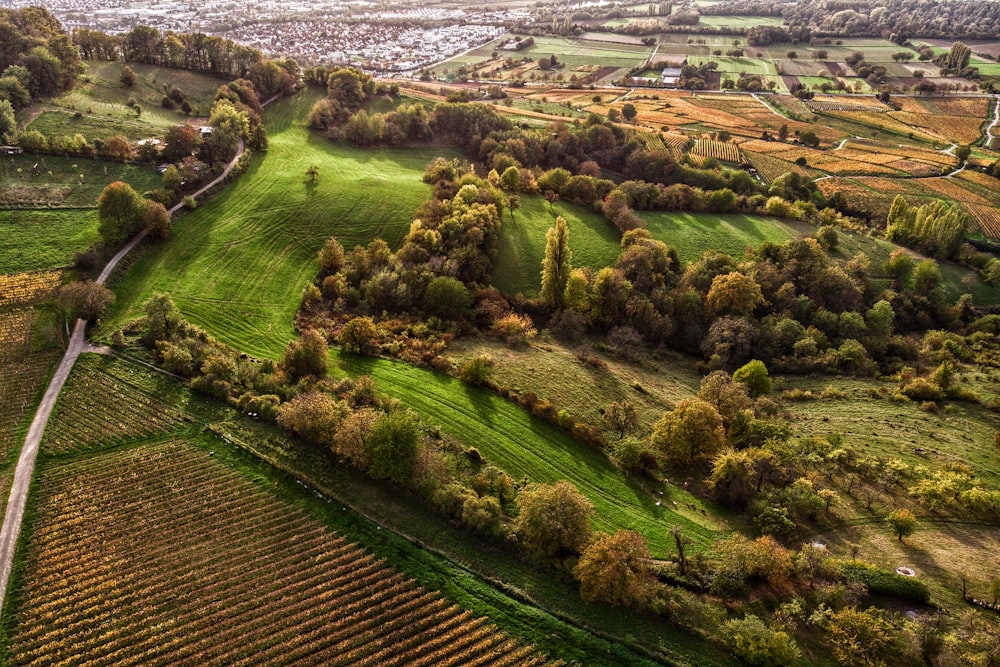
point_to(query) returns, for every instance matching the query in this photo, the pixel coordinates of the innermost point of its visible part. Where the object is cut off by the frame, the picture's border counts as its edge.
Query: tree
(307, 356)
(331, 257)
(902, 522)
(556, 265)
(313, 416)
(128, 77)
(358, 335)
(180, 142)
(8, 122)
(862, 637)
(809, 138)
(629, 111)
(615, 569)
(689, 434)
(447, 298)
(754, 375)
(156, 219)
(963, 152)
(734, 294)
(621, 417)
(553, 519)
(117, 148)
(119, 211)
(312, 172)
(162, 318)
(392, 446)
(751, 639)
(87, 300)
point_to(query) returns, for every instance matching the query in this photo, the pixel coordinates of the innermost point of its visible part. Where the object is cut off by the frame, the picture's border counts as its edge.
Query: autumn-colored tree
(556, 265)
(156, 219)
(87, 300)
(759, 645)
(331, 257)
(307, 356)
(349, 440)
(616, 569)
(689, 434)
(181, 141)
(128, 77)
(313, 416)
(553, 519)
(117, 148)
(728, 397)
(902, 522)
(734, 294)
(621, 417)
(359, 335)
(862, 637)
(119, 211)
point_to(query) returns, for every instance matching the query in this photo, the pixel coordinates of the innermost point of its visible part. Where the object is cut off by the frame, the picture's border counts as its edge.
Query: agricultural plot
(96, 408)
(189, 562)
(988, 219)
(719, 150)
(669, 111)
(517, 269)
(33, 181)
(24, 289)
(883, 123)
(573, 52)
(23, 373)
(770, 167)
(694, 233)
(740, 21)
(237, 265)
(40, 239)
(525, 446)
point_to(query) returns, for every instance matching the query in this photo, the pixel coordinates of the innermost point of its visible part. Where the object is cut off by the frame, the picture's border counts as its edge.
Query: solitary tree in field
(312, 172)
(87, 300)
(127, 77)
(902, 522)
(629, 111)
(557, 265)
(621, 417)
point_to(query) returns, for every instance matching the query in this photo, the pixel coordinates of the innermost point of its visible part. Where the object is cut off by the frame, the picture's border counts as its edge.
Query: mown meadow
(237, 266)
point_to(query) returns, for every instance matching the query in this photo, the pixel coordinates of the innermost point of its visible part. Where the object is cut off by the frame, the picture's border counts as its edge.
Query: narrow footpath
(25, 468)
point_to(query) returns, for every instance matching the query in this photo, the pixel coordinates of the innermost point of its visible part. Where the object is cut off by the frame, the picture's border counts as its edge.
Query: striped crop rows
(95, 407)
(161, 555)
(22, 372)
(719, 150)
(27, 288)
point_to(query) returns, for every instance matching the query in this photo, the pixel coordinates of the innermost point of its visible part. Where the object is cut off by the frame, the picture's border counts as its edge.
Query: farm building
(11, 150)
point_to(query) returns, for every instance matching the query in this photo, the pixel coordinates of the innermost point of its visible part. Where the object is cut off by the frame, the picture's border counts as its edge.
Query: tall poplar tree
(556, 266)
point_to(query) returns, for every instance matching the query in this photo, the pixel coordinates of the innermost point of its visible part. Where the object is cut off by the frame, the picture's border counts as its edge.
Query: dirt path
(25, 468)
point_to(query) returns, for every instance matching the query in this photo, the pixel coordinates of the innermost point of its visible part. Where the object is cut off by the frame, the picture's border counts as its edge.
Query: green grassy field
(694, 233)
(593, 240)
(69, 181)
(33, 240)
(740, 21)
(237, 265)
(525, 446)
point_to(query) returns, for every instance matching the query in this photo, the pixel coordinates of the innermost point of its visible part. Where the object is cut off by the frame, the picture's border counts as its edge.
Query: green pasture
(740, 21)
(579, 52)
(32, 240)
(694, 233)
(875, 425)
(988, 69)
(93, 125)
(525, 446)
(79, 180)
(517, 269)
(237, 265)
(736, 65)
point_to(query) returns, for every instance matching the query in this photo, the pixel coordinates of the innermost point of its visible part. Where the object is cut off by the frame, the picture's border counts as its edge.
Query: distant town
(373, 36)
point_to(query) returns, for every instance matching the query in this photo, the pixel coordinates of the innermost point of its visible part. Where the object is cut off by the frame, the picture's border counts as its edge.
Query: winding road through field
(29, 452)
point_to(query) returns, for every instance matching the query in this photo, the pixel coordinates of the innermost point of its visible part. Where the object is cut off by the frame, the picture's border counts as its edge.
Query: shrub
(477, 371)
(886, 582)
(515, 329)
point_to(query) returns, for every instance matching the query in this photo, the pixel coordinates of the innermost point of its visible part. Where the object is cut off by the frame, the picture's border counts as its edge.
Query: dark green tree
(556, 265)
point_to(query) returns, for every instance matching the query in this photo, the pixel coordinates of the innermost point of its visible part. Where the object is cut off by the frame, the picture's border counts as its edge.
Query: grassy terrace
(593, 240)
(237, 265)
